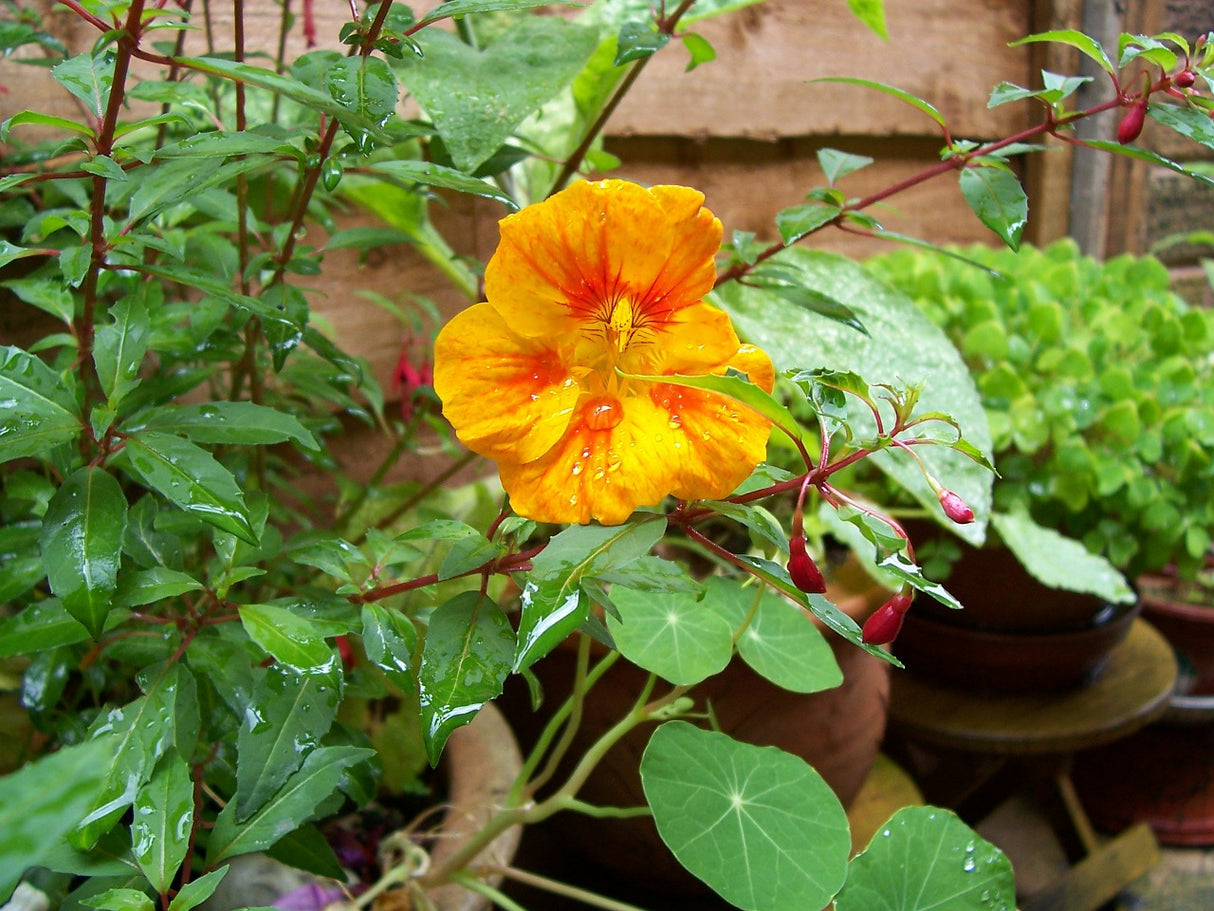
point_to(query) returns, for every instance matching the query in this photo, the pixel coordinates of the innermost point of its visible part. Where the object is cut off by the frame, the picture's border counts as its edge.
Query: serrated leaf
(233, 423)
(190, 478)
(290, 807)
(286, 720)
(465, 660)
(780, 643)
(925, 857)
(82, 544)
(995, 195)
(671, 635)
(552, 601)
(1084, 44)
(43, 801)
(120, 347)
(499, 86)
(162, 822)
(39, 411)
(716, 801)
(1060, 562)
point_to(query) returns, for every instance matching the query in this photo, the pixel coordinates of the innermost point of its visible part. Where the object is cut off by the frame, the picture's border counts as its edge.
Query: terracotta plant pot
(837, 731)
(1187, 625)
(1015, 661)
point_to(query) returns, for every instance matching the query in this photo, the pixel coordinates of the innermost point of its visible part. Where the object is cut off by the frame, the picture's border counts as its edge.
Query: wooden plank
(1101, 875)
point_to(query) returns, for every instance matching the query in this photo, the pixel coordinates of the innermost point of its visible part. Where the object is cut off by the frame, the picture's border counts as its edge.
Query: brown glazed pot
(837, 731)
(1188, 626)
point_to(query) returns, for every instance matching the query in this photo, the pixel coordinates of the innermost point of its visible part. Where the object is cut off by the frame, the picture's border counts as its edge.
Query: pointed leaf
(758, 825)
(235, 423)
(89, 78)
(836, 164)
(465, 660)
(82, 544)
(190, 478)
(120, 346)
(797, 221)
(293, 640)
(365, 86)
(292, 806)
(389, 639)
(995, 195)
(39, 410)
(1060, 562)
(1078, 40)
(466, 7)
(289, 714)
(162, 822)
(900, 94)
(196, 891)
(780, 643)
(925, 857)
(872, 14)
(429, 174)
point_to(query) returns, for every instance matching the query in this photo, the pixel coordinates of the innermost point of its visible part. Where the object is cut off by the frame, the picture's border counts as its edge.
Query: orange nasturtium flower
(602, 279)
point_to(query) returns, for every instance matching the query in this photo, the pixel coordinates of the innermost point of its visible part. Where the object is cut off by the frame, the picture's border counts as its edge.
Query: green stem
(556, 887)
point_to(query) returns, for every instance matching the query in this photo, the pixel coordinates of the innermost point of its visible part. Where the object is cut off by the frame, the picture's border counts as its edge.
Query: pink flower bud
(884, 625)
(1132, 122)
(1184, 79)
(955, 507)
(802, 568)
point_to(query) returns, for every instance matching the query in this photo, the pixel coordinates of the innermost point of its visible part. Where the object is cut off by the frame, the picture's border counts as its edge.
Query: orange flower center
(603, 413)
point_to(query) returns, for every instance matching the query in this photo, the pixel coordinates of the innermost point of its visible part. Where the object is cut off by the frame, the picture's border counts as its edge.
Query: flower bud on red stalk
(1131, 124)
(1184, 79)
(802, 568)
(955, 507)
(885, 624)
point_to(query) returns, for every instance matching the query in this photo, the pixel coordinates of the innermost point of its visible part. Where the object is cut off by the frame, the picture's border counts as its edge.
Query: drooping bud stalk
(884, 625)
(802, 569)
(1134, 119)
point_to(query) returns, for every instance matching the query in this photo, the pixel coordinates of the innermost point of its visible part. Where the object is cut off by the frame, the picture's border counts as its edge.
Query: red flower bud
(1184, 79)
(901, 602)
(1132, 123)
(955, 507)
(346, 652)
(883, 626)
(802, 568)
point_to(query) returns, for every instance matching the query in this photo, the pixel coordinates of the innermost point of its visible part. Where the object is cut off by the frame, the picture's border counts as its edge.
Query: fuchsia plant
(195, 635)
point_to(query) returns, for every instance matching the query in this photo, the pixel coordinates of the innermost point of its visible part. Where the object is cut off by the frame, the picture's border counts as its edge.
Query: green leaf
(232, 423)
(671, 635)
(836, 164)
(477, 98)
(43, 120)
(699, 50)
(291, 639)
(162, 822)
(1134, 151)
(82, 544)
(872, 14)
(465, 660)
(147, 586)
(89, 78)
(756, 824)
(146, 729)
(900, 94)
(780, 643)
(120, 347)
(39, 410)
(196, 891)
(638, 40)
(452, 8)
(1060, 562)
(428, 174)
(797, 221)
(290, 713)
(758, 519)
(1190, 122)
(552, 603)
(903, 346)
(925, 857)
(1078, 40)
(104, 166)
(43, 801)
(190, 478)
(293, 805)
(120, 899)
(47, 295)
(41, 626)
(995, 195)
(365, 86)
(389, 639)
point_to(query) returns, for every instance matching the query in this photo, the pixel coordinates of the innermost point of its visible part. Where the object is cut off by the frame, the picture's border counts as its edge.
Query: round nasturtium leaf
(926, 857)
(673, 635)
(756, 824)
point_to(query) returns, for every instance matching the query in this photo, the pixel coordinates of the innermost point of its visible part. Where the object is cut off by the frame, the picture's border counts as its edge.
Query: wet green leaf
(926, 857)
(995, 195)
(428, 174)
(82, 544)
(162, 821)
(120, 346)
(638, 40)
(196, 891)
(756, 824)
(671, 635)
(290, 638)
(39, 409)
(389, 640)
(287, 810)
(234, 423)
(88, 77)
(1086, 45)
(465, 660)
(365, 86)
(190, 478)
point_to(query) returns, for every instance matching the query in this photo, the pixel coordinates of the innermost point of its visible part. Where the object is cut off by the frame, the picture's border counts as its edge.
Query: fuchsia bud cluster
(886, 622)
